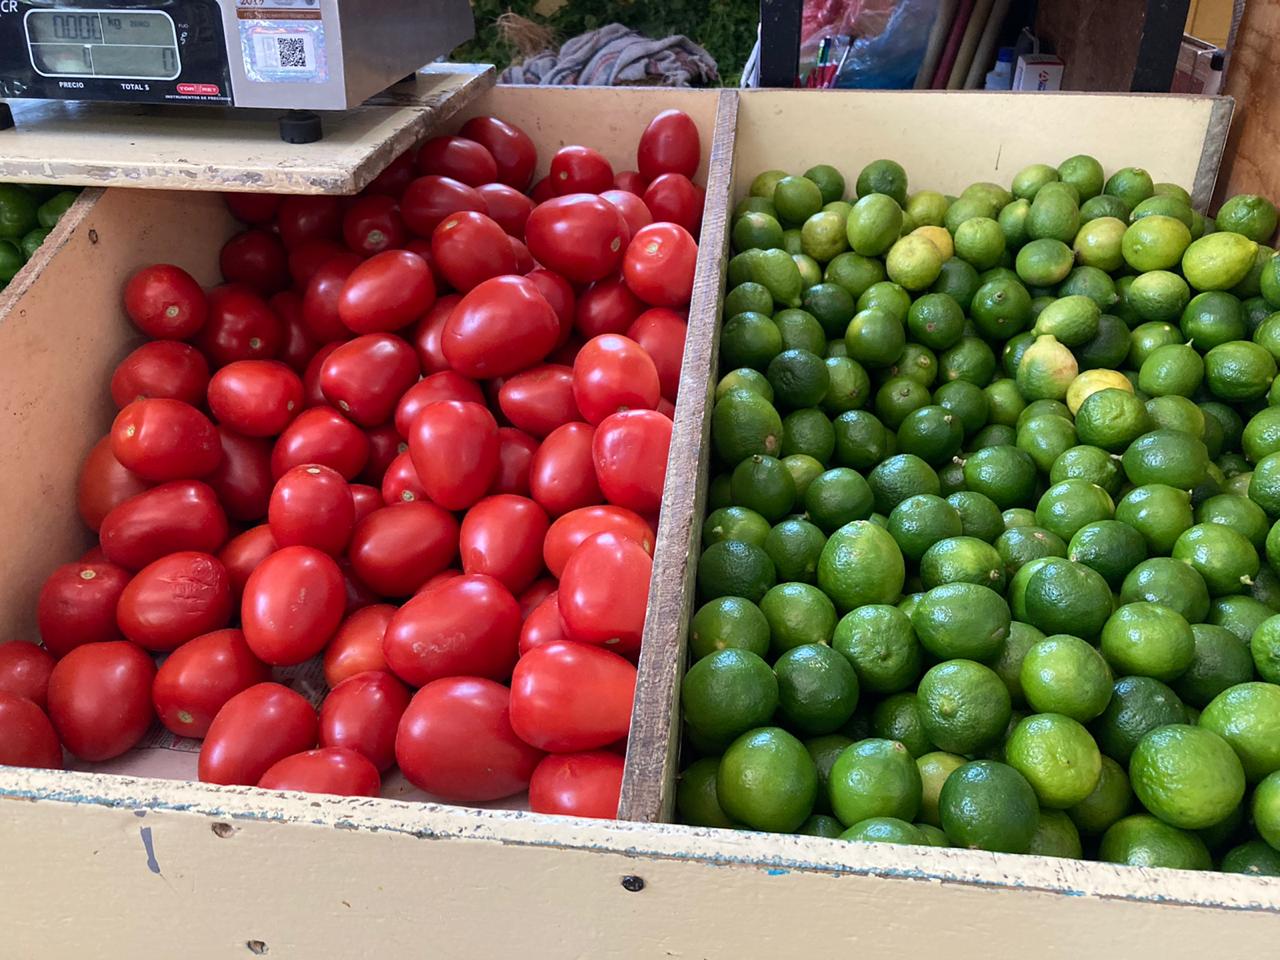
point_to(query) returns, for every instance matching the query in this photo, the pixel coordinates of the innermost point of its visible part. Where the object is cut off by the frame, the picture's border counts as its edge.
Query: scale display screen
(111, 44)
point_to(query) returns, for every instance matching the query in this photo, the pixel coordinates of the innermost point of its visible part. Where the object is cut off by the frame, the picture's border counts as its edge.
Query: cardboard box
(1038, 71)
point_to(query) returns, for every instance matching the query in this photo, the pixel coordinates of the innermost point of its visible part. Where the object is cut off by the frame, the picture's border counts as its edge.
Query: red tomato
(454, 446)
(252, 207)
(304, 218)
(195, 681)
(501, 326)
(535, 593)
(524, 259)
(426, 334)
(548, 708)
(256, 398)
(332, 770)
(501, 537)
(542, 625)
(163, 440)
(292, 605)
(428, 200)
(455, 741)
(515, 459)
(162, 368)
(630, 181)
(631, 207)
(561, 477)
(507, 206)
(298, 347)
(567, 352)
(243, 553)
(306, 260)
(385, 444)
(466, 626)
(27, 738)
(183, 515)
(321, 435)
(630, 452)
(357, 595)
(539, 399)
(362, 714)
(660, 264)
(320, 301)
(607, 306)
(396, 549)
(422, 247)
(586, 784)
(365, 377)
(444, 576)
(311, 394)
(569, 530)
(613, 373)
(240, 327)
(661, 333)
(312, 506)
(366, 499)
(243, 479)
(670, 144)
(165, 302)
(256, 259)
(254, 729)
(673, 198)
(468, 248)
(24, 671)
(577, 169)
(77, 605)
(372, 224)
(400, 484)
(104, 484)
(445, 385)
(542, 191)
(174, 599)
(100, 699)
(512, 150)
(559, 293)
(604, 590)
(388, 291)
(459, 158)
(357, 646)
(394, 177)
(579, 236)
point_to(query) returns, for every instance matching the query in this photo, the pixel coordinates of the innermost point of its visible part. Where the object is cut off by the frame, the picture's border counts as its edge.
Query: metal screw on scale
(300, 126)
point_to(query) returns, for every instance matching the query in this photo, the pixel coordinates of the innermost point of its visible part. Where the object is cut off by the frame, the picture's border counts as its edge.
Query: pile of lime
(27, 213)
(991, 544)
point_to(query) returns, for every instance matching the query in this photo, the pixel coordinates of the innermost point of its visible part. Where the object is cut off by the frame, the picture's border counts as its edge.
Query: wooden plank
(215, 148)
(1254, 82)
(647, 784)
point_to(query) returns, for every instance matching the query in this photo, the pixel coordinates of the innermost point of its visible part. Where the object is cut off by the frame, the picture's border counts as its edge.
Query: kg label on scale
(282, 41)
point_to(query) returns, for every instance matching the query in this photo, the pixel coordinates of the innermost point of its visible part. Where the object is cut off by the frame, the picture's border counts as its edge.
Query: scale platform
(218, 148)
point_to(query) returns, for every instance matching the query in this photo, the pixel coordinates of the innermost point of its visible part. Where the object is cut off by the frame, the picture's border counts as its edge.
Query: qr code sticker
(285, 53)
(279, 53)
(293, 52)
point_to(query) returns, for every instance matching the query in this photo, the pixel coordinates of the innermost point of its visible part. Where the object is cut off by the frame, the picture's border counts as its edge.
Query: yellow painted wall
(1210, 20)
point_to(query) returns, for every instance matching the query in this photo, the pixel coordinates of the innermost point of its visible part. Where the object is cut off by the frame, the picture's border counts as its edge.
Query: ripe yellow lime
(1091, 381)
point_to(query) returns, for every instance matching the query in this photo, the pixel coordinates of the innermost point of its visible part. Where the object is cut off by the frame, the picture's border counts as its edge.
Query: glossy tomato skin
(195, 681)
(394, 177)
(468, 248)
(670, 144)
(629, 181)
(388, 291)
(385, 444)
(175, 599)
(322, 294)
(400, 483)
(331, 770)
(501, 536)
(660, 263)
(306, 260)
(24, 671)
(241, 557)
(548, 709)
(434, 388)
(427, 332)
(312, 506)
(661, 334)
(161, 368)
(631, 207)
(321, 435)
(559, 293)
(454, 446)
(507, 206)
(257, 259)
(256, 398)
(100, 699)
(366, 499)
(365, 377)
(535, 593)
(569, 530)
(357, 646)
(183, 515)
(373, 224)
(539, 399)
(576, 169)
(524, 259)
(292, 605)
(630, 452)
(165, 302)
(297, 348)
(162, 439)
(673, 198)
(604, 590)
(428, 200)
(304, 218)
(561, 477)
(455, 741)
(586, 784)
(357, 595)
(252, 207)
(311, 393)
(578, 236)
(607, 306)
(457, 157)
(243, 480)
(104, 483)
(612, 373)
(515, 461)
(240, 327)
(542, 625)
(466, 626)
(501, 326)
(512, 150)
(27, 738)
(254, 729)
(396, 549)
(362, 714)
(77, 605)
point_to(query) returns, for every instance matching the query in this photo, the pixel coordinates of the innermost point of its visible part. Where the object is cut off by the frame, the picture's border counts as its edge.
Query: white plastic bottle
(1001, 77)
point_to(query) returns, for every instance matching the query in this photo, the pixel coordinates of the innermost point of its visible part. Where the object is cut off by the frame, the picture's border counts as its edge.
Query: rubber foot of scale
(300, 126)
(6, 116)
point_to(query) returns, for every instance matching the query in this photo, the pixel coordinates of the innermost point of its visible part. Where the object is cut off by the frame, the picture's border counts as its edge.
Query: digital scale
(295, 55)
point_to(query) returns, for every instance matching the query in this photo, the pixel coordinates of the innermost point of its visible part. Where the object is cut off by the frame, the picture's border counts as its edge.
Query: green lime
(861, 564)
(970, 359)
(1028, 180)
(874, 778)
(1063, 674)
(821, 825)
(1109, 547)
(883, 830)
(1238, 513)
(1187, 776)
(1001, 308)
(1084, 173)
(980, 241)
(1148, 337)
(897, 397)
(1158, 295)
(931, 433)
(754, 204)
(1054, 214)
(854, 272)
(734, 523)
(1008, 663)
(1013, 223)
(878, 640)
(18, 211)
(808, 431)
(1005, 474)
(964, 706)
(874, 338)
(696, 802)
(861, 439)
(850, 386)
(1177, 414)
(748, 297)
(965, 401)
(921, 521)
(1239, 370)
(986, 805)
(829, 181)
(1253, 858)
(914, 262)
(1093, 464)
(804, 469)
(962, 620)
(1057, 756)
(767, 780)
(718, 493)
(1269, 283)
(794, 546)
(763, 484)
(1109, 801)
(1091, 282)
(1155, 242)
(1266, 810)
(727, 693)
(837, 497)
(1149, 640)
(934, 769)
(1104, 206)
(1266, 334)
(1067, 506)
(1111, 419)
(799, 379)
(750, 340)
(992, 435)
(1019, 545)
(756, 231)
(936, 321)
(1157, 511)
(958, 280)
(962, 560)
(1264, 484)
(1224, 558)
(1108, 348)
(779, 272)
(1166, 456)
(1165, 206)
(817, 689)
(823, 236)
(897, 717)
(1171, 369)
(800, 330)
(1218, 261)
(1046, 369)
(1057, 596)
(1247, 717)
(824, 750)
(798, 614)
(1242, 616)
(744, 378)
(917, 363)
(764, 183)
(874, 223)
(927, 207)
(735, 569)
(728, 623)
(1213, 318)
(1055, 836)
(1249, 215)
(1044, 262)
(1141, 840)
(831, 305)
(966, 208)
(744, 424)
(898, 477)
(1130, 184)
(883, 176)
(979, 515)
(1099, 243)
(797, 199)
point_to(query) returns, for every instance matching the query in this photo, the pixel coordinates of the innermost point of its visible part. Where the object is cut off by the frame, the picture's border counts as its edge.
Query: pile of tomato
(421, 434)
